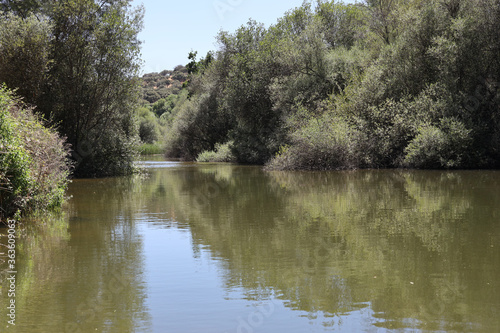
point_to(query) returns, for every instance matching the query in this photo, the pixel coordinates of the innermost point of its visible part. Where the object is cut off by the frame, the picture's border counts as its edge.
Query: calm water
(220, 248)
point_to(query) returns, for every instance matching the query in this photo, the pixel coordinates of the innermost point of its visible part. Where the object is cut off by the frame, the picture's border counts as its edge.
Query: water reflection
(81, 270)
(344, 251)
(420, 249)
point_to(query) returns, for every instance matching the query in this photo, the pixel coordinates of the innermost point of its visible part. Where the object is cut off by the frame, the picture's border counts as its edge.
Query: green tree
(78, 62)
(149, 130)
(383, 18)
(192, 66)
(386, 83)
(21, 8)
(250, 70)
(342, 23)
(24, 54)
(93, 85)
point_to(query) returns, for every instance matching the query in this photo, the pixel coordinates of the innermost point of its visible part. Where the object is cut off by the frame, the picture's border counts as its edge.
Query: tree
(386, 83)
(340, 22)
(78, 62)
(24, 54)
(194, 66)
(383, 20)
(93, 87)
(246, 95)
(21, 8)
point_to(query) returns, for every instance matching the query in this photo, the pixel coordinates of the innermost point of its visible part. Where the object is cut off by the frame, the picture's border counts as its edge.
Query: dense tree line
(386, 83)
(77, 62)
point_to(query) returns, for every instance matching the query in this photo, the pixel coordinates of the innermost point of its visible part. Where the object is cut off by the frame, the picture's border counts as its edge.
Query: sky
(173, 28)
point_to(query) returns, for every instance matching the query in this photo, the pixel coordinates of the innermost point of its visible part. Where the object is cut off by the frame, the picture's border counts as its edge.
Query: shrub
(411, 84)
(321, 145)
(78, 61)
(24, 54)
(198, 126)
(149, 125)
(34, 168)
(445, 146)
(148, 131)
(221, 153)
(151, 149)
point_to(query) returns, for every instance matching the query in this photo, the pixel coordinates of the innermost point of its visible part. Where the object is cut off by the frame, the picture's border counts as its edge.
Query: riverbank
(34, 168)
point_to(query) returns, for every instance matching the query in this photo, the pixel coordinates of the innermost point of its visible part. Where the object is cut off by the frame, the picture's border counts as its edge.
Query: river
(226, 248)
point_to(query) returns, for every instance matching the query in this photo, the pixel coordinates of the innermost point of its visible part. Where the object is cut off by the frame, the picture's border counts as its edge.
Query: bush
(151, 149)
(149, 127)
(69, 60)
(24, 54)
(439, 147)
(321, 145)
(411, 84)
(113, 155)
(221, 153)
(148, 131)
(34, 168)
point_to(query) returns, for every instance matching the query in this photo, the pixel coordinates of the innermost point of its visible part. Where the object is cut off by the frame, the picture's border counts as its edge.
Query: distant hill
(156, 86)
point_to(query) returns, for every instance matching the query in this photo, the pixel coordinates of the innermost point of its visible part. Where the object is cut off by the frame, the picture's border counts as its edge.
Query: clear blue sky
(173, 28)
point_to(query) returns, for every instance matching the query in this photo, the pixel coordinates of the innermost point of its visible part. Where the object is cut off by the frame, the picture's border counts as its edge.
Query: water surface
(224, 248)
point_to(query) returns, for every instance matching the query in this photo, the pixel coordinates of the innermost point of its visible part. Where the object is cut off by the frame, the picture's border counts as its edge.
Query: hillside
(161, 93)
(156, 86)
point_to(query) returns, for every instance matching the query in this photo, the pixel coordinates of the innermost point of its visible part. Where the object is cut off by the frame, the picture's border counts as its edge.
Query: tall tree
(78, 62)
(24, 54)
(93, 84)
(382, 18)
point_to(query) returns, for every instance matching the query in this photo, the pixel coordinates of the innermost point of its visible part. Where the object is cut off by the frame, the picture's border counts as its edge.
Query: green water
(221, 248)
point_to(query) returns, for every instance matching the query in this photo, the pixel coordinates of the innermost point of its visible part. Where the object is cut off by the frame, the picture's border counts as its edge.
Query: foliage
(78, 62)
(197, 127)
(149, 130)
(381, 84)
(221, 153)
(158, 86)
(194, 66)
(324, 144)
(386, 83)
(21, 8)
(256, 130)
(164, 105)
(439, 147)
(33, 160)
(162, 97)
(151, 149)
(24, 54)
